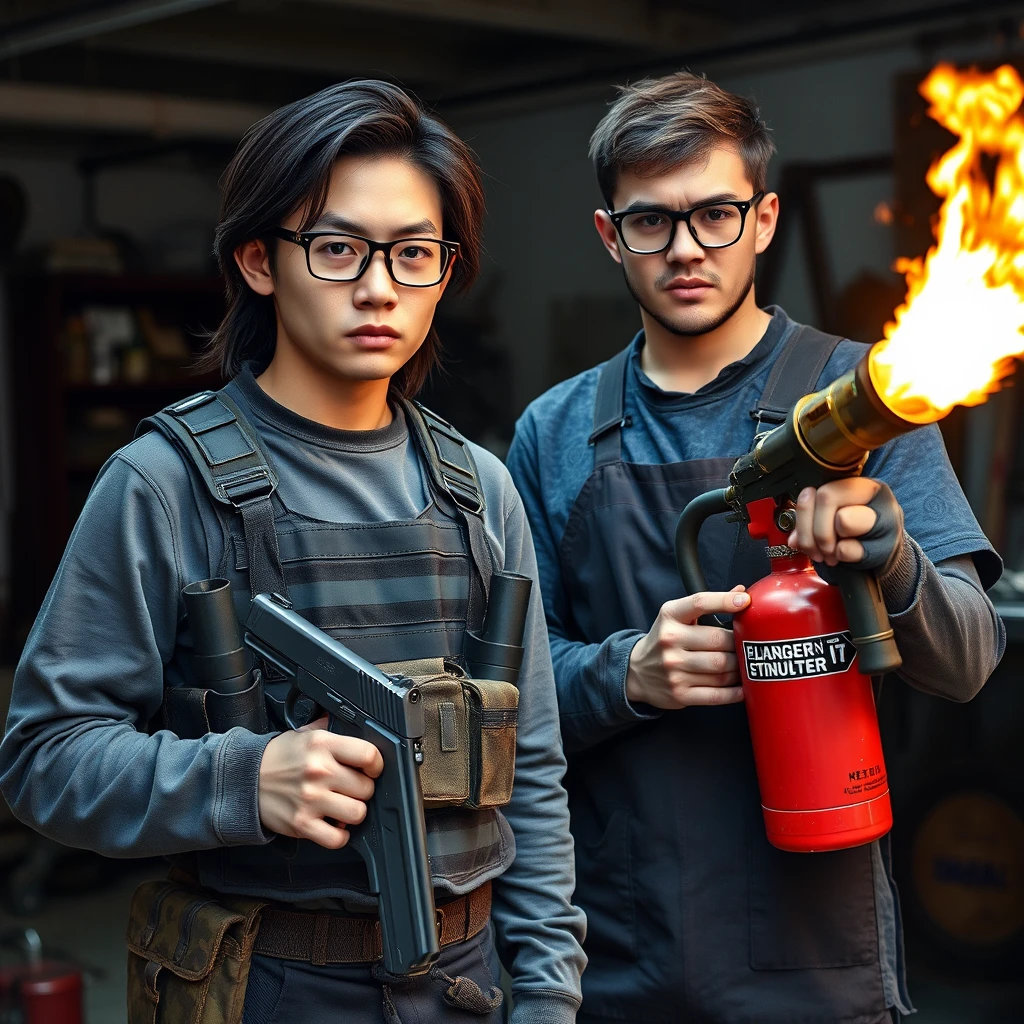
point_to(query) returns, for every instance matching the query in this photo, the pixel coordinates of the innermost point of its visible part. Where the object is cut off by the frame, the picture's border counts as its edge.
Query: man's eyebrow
(648, 204)
(334, 222)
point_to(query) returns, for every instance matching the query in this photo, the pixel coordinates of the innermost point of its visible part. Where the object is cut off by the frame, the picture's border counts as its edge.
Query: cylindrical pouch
(189, 952)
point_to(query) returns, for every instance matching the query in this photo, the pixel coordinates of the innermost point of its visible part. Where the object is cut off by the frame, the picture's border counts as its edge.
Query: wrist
(901, 578)
(633, 689)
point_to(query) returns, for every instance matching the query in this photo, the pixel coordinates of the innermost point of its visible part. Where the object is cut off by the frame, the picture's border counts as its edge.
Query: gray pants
(287, 991)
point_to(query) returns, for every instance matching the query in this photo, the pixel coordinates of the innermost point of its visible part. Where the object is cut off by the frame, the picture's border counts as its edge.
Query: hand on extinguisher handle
(872, 635)
(687, 554)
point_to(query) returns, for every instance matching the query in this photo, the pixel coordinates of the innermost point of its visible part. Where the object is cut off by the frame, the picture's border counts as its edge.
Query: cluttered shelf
(93, 354)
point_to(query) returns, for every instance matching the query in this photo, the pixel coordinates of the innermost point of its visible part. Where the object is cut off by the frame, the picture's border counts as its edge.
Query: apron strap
(609, 410)
(795, 373)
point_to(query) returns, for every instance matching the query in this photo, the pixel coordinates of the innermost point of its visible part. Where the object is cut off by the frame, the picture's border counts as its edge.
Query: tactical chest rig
(395, 592)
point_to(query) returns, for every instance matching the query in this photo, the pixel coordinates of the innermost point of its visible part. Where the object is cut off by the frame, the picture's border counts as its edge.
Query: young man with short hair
(344, 217)
(692, 915)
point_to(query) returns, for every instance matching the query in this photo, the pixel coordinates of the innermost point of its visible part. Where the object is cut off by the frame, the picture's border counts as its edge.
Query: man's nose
(375, 287)
(684, 247)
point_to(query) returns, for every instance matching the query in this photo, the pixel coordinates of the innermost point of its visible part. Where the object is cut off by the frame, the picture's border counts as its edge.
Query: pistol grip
(392, 840)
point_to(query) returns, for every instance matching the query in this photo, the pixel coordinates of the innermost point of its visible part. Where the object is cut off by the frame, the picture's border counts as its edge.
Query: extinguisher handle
(869, 621)
(692, 518)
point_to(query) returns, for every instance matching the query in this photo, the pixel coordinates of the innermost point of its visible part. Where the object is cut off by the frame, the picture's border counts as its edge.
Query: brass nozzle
(840, 424)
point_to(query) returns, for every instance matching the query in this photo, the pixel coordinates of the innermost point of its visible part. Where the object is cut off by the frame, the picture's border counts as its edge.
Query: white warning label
(804, 658)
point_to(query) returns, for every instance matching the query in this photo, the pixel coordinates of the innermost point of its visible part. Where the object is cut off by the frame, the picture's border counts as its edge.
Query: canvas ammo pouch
(469, 736)
(188, 954)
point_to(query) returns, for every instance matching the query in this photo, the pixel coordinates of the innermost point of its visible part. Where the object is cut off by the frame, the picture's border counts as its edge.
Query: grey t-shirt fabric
(77, 764)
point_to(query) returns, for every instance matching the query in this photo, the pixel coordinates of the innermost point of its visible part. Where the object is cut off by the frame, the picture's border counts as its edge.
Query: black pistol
(362, 701)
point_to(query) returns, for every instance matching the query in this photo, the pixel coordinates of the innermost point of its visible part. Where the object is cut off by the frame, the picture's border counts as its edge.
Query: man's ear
(609, 236)
(253, 261)
(767, 220)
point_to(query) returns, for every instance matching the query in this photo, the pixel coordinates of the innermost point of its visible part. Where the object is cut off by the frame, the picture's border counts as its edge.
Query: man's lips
(688, 287)
(375, 336)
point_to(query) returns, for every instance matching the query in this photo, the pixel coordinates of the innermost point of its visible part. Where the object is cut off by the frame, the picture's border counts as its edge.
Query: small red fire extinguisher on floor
(811, 712)
(39, 991)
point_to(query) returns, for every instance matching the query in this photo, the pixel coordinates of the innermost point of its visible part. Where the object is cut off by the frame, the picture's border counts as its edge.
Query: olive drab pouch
(189, 951)
(469, 736)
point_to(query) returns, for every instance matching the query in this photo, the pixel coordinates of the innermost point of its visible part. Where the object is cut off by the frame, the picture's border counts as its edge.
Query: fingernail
(740, 600)
(805, 495)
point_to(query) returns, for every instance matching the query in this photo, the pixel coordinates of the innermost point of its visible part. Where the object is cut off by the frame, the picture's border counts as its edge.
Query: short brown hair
(284, 163)
(660, 123)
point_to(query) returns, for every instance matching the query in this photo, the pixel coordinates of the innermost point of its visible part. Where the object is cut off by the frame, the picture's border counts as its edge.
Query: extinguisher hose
(692, 518)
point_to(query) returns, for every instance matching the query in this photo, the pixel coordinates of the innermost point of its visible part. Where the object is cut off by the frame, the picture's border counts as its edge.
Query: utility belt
(189, 948)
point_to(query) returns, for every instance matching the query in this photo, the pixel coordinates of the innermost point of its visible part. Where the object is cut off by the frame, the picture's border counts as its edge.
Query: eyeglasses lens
(342, 257)
(714, 226)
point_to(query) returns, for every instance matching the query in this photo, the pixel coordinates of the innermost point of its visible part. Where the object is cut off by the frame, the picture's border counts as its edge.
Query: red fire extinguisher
(40, 991)
(811, 712)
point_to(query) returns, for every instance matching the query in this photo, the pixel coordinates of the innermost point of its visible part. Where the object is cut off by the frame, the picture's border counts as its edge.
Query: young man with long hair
(345, 216)
(692, 915)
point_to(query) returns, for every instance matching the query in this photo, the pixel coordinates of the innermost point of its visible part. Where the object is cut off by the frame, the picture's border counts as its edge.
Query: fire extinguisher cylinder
(813, 724)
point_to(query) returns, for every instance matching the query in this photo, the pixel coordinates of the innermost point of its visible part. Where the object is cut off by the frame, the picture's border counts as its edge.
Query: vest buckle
(247, 486)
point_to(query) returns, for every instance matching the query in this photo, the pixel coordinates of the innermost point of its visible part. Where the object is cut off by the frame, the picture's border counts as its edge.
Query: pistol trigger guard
(294, 694)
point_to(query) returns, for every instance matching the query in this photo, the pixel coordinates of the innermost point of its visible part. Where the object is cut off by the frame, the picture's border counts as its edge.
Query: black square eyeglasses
(336, 256)
(712, 225)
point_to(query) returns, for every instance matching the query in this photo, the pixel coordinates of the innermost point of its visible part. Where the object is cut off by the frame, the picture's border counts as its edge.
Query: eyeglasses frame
(306, 238)
(743, 205)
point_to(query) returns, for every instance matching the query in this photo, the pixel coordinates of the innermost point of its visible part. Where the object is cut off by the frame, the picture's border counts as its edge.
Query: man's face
(687, 289)
(325, 323)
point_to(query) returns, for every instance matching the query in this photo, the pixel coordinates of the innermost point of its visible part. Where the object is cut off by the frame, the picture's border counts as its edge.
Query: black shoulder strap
(795, 373)
(213, 434)
(609, 410)
(453, 476)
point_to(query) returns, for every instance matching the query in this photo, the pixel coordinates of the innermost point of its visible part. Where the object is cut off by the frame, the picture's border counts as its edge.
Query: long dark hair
(284, 163)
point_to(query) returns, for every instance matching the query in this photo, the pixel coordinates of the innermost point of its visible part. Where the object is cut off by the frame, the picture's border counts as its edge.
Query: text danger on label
(809, 656)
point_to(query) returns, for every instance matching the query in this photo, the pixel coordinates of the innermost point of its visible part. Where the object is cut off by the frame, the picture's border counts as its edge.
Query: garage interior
(116, 120)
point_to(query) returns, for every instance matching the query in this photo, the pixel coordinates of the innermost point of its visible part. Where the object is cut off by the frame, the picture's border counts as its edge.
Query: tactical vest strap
(795, 373)
(216, 438)
(453, 474)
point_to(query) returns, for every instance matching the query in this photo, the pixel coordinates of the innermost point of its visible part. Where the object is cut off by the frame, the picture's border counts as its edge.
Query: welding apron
(390, 591)
(691, 914)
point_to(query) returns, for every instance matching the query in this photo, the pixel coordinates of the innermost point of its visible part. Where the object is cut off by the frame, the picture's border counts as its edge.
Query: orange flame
(955, 336)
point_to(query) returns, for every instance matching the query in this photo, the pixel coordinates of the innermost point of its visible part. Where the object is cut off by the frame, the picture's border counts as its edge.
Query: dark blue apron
(691, 915)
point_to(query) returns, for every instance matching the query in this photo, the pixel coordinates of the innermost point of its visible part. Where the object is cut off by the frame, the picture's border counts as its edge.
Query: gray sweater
(77, 764)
